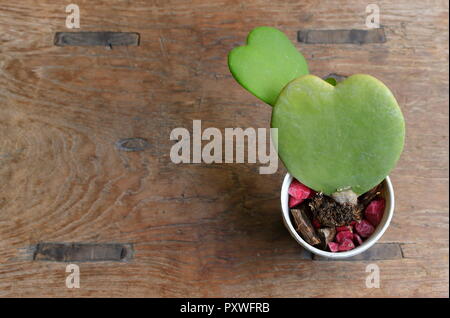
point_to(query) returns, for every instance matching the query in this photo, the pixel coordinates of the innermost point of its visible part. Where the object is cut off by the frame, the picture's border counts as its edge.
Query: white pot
(387, 193)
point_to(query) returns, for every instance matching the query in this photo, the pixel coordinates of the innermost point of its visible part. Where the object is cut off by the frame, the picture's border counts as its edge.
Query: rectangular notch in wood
(342, 36)
(109, 39)
(82, 252)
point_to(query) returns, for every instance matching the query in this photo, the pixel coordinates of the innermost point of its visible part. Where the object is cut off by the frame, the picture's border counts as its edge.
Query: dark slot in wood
(108, 39)
(378, 252)
(342, 36)
(82, 252)
(132, 144)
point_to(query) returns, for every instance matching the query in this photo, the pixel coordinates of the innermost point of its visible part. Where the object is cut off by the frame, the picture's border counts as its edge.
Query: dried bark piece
(304, 226)
(331, 214)
(326, 235)
(367, 197)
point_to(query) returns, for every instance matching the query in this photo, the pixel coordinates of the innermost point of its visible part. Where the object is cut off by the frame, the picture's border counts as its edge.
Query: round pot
(387, 193)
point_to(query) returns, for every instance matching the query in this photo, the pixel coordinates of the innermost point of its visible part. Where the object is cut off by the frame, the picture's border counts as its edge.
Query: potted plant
(338, 141)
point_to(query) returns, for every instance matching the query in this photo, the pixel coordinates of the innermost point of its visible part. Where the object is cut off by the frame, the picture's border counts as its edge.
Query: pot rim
(379, 231)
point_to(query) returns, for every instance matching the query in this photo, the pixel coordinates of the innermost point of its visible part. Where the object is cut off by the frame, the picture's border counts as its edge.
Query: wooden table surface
(197, 229)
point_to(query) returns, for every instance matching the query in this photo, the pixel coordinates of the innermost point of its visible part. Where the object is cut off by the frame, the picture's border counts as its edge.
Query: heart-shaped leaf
(267, 63)
(337, 137)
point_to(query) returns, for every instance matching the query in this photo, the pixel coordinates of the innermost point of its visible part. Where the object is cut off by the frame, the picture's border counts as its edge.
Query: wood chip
(326, 235)
(367, 197)
(304, 226)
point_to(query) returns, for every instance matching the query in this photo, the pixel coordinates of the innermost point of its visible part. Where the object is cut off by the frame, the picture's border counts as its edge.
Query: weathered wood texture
(199, 230)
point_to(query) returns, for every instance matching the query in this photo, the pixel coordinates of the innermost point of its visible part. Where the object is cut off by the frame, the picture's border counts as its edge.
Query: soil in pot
(335, 224)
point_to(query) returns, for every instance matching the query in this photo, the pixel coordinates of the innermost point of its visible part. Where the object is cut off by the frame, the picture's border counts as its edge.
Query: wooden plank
(82, 252)
(278, 274)
(378, 252)
(108, 39)
(342, 36)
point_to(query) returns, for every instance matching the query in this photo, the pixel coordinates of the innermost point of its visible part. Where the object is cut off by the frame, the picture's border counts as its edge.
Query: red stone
(374, 211)
(294, 202)
(344, 228)
(343, 235)
(364, 228)
(334, 247)
(346, 245)
(298, 190)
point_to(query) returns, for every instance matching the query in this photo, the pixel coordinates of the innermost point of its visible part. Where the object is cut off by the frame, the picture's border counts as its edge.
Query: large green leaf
(267, 63)
(335, 137)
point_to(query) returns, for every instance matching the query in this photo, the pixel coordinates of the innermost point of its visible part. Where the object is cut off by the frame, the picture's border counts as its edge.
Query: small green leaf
(331, 80)
(267, 63)
(338, 137)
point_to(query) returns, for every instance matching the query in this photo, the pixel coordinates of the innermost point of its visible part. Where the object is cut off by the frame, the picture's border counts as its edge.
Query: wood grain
(200, 230)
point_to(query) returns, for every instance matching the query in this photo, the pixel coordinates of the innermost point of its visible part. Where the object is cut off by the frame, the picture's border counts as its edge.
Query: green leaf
(331, 81)
(267, 63)
(336, 137)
